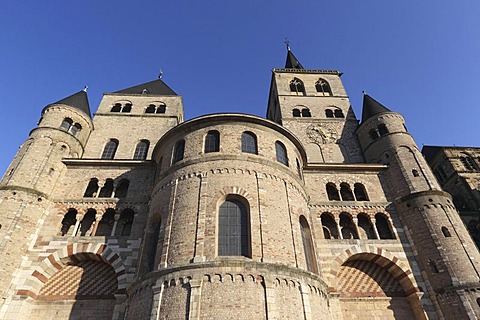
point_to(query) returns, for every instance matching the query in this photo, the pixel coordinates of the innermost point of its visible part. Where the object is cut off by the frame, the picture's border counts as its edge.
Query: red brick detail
(26, 293)
(54, 262)
(70, 250)
(39, 276)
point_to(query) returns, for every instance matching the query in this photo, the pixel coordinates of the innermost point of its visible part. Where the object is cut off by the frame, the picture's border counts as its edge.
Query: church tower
(443, 248)
(314, 105)
(26, 188)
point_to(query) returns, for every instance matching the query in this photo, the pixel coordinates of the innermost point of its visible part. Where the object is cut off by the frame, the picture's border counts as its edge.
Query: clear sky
(419, 58)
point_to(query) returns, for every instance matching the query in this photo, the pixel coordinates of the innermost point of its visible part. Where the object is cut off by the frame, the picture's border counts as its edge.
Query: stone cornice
(334, 72)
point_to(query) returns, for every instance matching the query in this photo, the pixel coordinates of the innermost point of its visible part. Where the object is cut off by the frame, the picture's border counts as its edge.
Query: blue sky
(420, 58)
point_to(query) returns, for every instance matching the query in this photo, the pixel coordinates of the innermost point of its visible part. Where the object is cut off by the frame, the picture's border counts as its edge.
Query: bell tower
(314, 105)
(443, 247)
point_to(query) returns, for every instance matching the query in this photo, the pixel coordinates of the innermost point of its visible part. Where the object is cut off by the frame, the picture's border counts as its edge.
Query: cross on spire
(287, 43)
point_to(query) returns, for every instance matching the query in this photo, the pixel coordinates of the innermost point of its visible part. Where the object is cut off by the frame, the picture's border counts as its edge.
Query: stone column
(79, 218)
(157, 297)
(307, 310)
(337, 222)
(372, 221)
(117, 217)
(355, 223)
(195, 298)
(98, 217)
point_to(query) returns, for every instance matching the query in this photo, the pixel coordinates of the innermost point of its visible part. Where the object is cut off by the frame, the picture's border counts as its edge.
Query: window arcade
(119, 107)
(296, 85)
(323, 87)
(68, 126)
(157, 108)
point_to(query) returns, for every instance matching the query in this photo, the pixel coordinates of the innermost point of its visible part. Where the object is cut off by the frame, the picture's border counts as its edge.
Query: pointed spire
(292, 62)
(156, 87)
(371, 107)
(77, 100)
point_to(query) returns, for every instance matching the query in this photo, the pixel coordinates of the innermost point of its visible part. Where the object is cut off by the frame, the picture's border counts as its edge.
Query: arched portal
(373, 287)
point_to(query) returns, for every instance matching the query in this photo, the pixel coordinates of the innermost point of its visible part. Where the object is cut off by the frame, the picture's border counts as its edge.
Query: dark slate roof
(429, 152)
(156, 87)
(292, 62)
(77, 100)
(372, 107)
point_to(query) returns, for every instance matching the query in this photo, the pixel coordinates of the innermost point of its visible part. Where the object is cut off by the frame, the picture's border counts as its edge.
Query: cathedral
(308, 213)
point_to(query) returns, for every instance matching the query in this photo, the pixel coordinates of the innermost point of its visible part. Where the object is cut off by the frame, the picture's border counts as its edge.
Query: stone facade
(306, 214)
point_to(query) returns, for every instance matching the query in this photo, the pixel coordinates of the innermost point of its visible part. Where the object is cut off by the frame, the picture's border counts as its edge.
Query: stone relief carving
(321, 134)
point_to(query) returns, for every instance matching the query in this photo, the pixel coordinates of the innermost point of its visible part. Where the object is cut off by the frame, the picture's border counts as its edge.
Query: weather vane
(85, 88)
(287, 43)
(160, 74)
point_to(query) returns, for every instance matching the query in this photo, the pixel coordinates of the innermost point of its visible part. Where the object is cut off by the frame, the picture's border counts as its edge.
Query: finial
(287, 43)
(85, 88)
(160, 74)
(364, 92)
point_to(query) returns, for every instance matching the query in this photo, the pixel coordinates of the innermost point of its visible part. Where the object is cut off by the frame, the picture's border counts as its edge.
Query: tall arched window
(107, 189)
(323, 87)
(69, 220)
(87, 221)
(249, 142)
(332, 192)
(105, 226)
(360, 192)
(125, 223)
(330, 228)
(178, 151)
(110, 149)
(141, 150)
(212, 141)
(122, 188)
(383, 227)
(296, 85)
(346, 192)
(365, 227)
(281, 153)
(347, 227)
(308, 245)
(92, 188)
(233, 229)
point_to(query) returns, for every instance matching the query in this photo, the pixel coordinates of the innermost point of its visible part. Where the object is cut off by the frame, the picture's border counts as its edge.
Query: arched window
(212, 141)
(281, 153)
(346, 192)
(296, 85)
(75, 129)
(155, 244)
(249, 142)
(306, 113)
(107, 189)
(330, 230)
(329, 113)
(87, 221)
(296, 113)
(178, 151)
(127, 108)
(116, 107)
(122, 188)
(125, 223)
(332, 192)
(365, 227)
(382, 129)
(446, 232)
(110, 149)
(66, 124)
(308, 245)
(383, 227)
(323, 87)
(161, 108)
(373, 134)
(141, 150)
(233, 229)
(347, 227)
(339, 113)
(69, 220)
(92, 188)
(105, 226)
(150, 109)
(360, 192)
(468, 162)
